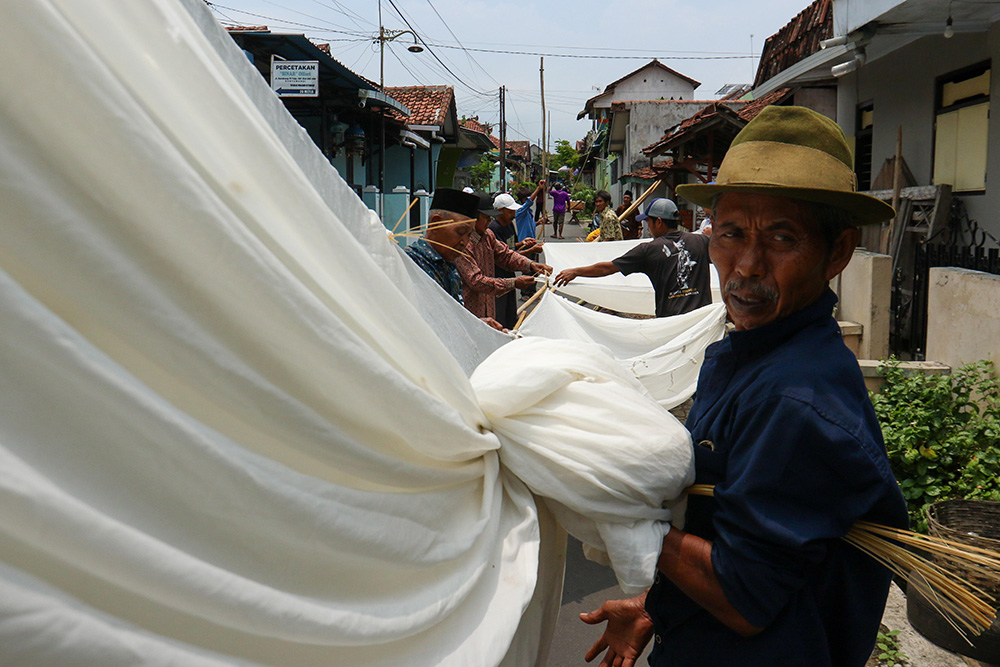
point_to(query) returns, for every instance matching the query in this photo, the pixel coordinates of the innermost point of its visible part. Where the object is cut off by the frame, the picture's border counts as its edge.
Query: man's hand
(493, 323)
(523, 282)
(521, 246)
(628, 631)
(567, 276)
(538, 267)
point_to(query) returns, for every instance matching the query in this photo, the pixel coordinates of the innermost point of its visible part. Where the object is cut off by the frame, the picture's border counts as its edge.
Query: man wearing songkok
(782, 427)
(675, 261)
(451, 222)
(631, 224)
(485, 251)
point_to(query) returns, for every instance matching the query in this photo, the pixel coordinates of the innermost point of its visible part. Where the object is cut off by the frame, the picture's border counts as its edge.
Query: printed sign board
(295, 78)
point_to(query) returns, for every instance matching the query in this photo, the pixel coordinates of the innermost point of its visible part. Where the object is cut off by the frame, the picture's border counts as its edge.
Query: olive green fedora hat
(792, 152)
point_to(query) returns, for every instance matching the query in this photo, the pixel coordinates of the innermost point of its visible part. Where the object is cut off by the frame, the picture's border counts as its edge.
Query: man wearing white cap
(675, 261)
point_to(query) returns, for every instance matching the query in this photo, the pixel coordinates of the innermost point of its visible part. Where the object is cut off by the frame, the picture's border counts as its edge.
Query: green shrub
(584, 193)
(942, 434)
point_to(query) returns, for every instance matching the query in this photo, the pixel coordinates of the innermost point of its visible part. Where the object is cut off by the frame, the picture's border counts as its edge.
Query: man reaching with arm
(485, 251)
(675, 261)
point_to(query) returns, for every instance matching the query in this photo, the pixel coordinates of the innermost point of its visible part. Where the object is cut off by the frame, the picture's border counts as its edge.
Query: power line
(467, 53)
(427, 46)
(285, 21)
(590, 57)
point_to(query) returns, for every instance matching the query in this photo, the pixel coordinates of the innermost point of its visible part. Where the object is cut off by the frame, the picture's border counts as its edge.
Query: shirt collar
(428, 251)
(769, 336)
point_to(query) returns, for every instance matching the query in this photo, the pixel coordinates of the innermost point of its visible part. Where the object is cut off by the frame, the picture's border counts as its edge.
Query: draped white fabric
(237, 426)
(624, 294)
(665, 353)
(582, 432)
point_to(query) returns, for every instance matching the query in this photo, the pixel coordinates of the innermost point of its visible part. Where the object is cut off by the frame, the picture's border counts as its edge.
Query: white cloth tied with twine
(583, 433)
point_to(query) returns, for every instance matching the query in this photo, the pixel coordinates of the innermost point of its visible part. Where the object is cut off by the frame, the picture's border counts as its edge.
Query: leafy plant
(585, 194)
(942, 434)
(481, 172)
(565, 155)
(887, 647)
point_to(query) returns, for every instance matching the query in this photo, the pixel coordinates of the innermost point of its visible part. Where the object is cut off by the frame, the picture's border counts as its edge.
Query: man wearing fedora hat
(782, 426)
(675, 261)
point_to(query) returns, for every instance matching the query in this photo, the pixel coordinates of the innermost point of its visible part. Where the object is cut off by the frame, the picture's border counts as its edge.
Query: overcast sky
(707, 41)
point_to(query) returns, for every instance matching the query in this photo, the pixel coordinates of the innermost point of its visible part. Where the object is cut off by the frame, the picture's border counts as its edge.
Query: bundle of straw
(937, 566)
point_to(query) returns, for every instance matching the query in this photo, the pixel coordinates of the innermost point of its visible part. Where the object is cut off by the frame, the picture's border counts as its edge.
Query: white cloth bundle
(621, 293)
(579, 430)
(231, 430)
(664, 353)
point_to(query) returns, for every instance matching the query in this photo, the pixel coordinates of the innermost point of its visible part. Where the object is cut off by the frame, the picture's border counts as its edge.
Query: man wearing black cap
(632, 225)
(485, 251)
(452, 218)
(675, 261)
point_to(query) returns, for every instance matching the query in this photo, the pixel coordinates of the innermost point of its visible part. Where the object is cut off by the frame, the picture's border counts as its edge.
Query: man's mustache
(754, 287)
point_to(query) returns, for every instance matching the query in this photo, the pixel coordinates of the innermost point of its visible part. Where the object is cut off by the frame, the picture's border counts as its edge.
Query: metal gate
(908, 317)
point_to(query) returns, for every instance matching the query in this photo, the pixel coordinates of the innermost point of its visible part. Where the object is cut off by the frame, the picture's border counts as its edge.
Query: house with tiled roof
(792, 50)
(631, 113)
(425, 155)
(692, 150)
(343, 116)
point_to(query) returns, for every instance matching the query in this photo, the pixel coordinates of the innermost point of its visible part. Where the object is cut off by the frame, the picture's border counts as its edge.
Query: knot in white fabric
(585, 435)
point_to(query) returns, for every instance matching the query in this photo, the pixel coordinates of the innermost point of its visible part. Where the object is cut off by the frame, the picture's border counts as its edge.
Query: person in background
(783, 429)
(524, 224)
(631, 225)
(522, 215)
(504, 229)
(559, 199)
(605, 219)
(675, 261)
(453, 216)
(705, 226)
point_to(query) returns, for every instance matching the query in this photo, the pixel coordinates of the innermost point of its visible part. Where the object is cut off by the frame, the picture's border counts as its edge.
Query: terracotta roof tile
(519, 148)
(750, 111)
(474, 125)
(799, 39)
(428, 105)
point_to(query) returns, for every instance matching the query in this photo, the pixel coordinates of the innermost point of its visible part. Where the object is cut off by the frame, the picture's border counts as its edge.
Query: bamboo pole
(534, 297)
(545, 144)
(522, 310)
(405, 213)
(885, 243)
(627, 212)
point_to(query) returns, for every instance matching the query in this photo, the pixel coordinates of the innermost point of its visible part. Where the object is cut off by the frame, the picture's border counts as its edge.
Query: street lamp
(384, 36)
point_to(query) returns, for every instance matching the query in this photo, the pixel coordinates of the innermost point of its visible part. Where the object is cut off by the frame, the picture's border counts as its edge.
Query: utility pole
(545, 143)
(503, 140)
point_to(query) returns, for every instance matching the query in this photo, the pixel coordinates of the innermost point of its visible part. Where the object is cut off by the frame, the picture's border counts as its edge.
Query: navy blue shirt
(443, 272)
(784, 429)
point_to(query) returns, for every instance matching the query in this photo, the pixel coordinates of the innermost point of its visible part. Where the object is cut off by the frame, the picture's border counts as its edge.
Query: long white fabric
(665, 353)
(580, 430)
(624, 294)
(236, 424)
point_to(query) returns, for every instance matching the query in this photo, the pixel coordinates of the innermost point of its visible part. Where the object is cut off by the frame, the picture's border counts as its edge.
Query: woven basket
(972, 522)
(975, 523)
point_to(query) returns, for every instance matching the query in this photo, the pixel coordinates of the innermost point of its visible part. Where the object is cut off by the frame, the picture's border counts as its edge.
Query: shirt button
(659, 639)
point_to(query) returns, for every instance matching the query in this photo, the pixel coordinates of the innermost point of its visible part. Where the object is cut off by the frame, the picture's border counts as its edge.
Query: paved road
(587, 586)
